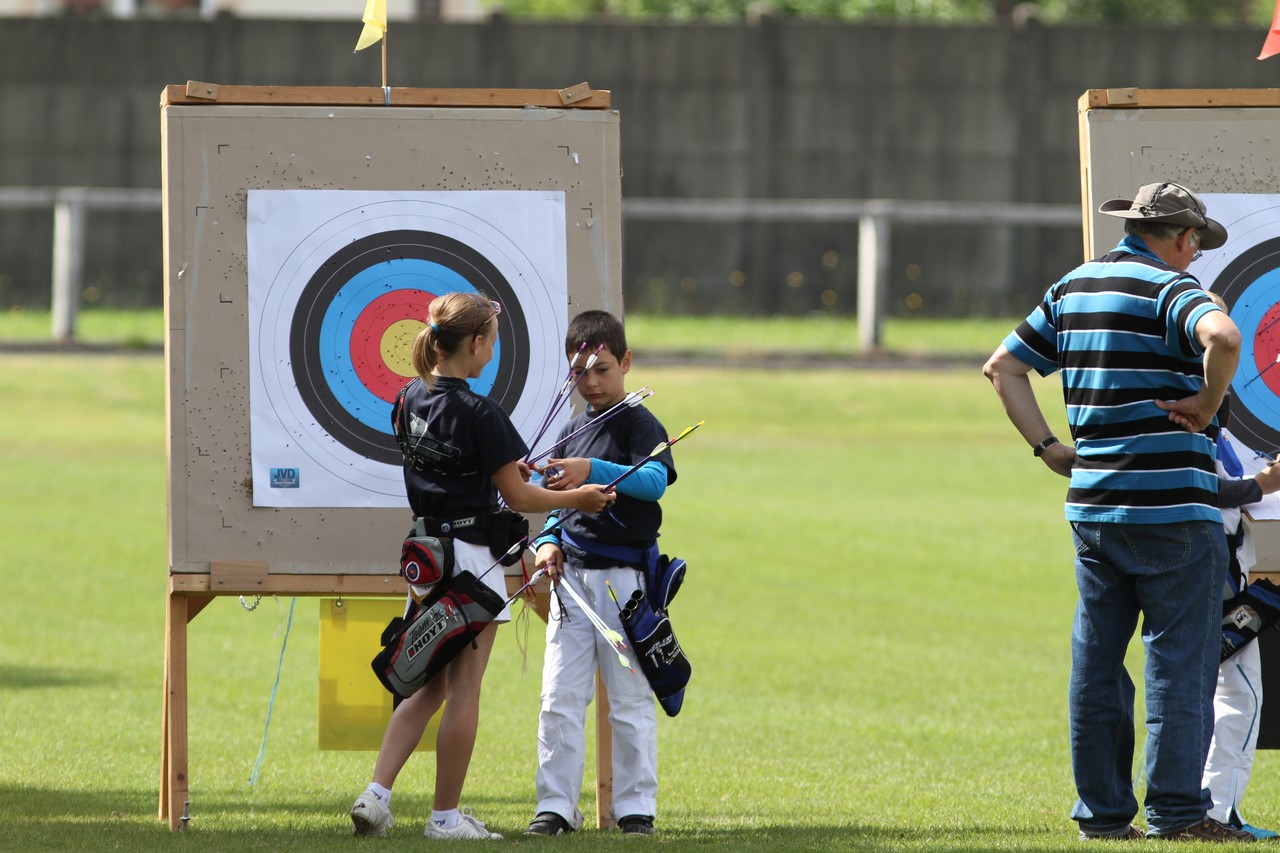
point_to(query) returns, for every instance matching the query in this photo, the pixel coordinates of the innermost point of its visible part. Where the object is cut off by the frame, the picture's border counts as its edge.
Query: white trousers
(575, 649)
(1237, 708)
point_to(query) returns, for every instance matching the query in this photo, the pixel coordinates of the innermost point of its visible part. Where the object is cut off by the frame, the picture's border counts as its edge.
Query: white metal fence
(875, 219)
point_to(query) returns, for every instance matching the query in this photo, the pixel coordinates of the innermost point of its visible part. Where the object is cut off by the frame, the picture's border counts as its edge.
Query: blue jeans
(1171, 574)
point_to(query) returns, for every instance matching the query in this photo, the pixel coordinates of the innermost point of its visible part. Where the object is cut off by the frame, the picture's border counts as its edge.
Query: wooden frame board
(581, 96)
(215, 155)
(1215, 141)
(220, 144)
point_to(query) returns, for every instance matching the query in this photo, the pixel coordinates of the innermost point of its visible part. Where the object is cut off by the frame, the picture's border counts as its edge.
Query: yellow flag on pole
(375, 23)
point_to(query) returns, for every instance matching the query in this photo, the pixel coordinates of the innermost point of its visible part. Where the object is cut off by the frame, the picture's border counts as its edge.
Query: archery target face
(1246, 274)
(339, 287)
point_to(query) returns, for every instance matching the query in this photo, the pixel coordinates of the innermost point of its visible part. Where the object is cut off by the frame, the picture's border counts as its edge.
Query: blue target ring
(338, 328)
(1250, 286)
(361, 273)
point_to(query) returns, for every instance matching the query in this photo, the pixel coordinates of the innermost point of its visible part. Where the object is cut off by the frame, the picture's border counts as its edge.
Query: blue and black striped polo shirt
(1121, 329)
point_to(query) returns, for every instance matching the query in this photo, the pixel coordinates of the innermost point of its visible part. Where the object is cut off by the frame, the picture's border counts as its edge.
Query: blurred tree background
(1061, 12)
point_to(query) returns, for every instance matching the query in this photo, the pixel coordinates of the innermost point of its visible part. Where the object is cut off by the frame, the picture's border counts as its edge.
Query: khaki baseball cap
(1171, 203)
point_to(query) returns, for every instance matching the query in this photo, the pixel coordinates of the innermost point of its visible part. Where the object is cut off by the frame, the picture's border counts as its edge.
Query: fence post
(873, 276)
(68, 262)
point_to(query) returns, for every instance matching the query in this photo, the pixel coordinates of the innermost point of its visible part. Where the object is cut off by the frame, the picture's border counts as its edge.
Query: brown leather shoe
(1207, 830)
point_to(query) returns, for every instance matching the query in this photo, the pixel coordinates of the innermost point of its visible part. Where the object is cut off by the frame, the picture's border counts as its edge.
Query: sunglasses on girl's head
(497, 309)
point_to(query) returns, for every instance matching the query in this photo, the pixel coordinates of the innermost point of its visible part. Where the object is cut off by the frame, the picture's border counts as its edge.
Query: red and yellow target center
(1266, 349)
(382, 340)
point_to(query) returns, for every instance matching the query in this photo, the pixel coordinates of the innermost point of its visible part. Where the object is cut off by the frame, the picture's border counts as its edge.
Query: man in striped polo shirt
(1145, 359)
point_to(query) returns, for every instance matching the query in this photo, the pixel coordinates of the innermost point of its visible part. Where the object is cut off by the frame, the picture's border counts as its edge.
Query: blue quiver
(655, 645)
(644, 617)
(663, 576)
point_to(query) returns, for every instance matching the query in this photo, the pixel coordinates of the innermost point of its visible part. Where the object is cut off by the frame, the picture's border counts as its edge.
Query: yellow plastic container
(354, 706)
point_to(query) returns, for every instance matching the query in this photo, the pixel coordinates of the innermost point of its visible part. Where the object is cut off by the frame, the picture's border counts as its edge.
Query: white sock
(446, 819)
(383, 794)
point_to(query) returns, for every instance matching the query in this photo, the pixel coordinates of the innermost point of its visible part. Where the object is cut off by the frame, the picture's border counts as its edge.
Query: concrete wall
(775, 110)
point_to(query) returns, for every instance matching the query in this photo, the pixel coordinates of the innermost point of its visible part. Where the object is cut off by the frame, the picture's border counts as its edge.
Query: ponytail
(452, 320)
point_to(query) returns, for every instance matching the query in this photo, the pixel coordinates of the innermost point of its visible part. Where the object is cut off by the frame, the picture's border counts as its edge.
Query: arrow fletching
(686, 432)
(592, 360)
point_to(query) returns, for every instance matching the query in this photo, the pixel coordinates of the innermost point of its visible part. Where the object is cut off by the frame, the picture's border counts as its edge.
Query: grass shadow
(42, 819)
(13, 677)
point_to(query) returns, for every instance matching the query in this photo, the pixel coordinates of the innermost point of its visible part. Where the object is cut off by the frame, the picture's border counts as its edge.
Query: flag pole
(386, 90)
(375, 29)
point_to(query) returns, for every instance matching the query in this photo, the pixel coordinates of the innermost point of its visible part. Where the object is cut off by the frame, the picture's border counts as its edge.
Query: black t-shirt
(625, 439)
(460, 439)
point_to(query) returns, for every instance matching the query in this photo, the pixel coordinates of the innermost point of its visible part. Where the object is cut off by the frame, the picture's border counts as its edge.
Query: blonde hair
(452, 320)
(1218, 300)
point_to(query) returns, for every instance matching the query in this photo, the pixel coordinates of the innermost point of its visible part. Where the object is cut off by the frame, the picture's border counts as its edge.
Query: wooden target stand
(190, 594)
(1215, 141)
(219, 142)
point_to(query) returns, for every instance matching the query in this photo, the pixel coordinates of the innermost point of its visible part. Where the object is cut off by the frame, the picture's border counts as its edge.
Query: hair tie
(434, 328)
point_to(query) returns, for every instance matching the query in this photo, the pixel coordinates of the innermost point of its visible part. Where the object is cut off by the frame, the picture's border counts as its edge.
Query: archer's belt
(469, 528)
(599, 555)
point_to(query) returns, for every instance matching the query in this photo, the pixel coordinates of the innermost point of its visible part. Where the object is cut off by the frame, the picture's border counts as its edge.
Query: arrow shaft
(1262, 372)
(594, 423)
(565, 392)
(591, 615)
(564, 514)
(663, 446)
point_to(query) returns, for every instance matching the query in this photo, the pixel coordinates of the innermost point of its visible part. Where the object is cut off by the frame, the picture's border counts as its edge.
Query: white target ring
(339, 282)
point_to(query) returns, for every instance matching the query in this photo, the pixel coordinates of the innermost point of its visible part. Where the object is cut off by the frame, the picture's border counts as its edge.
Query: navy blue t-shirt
(461, 438)
(625, 438)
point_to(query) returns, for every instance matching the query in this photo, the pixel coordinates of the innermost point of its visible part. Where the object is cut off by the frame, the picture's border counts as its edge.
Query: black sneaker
(636, 824)
(1206, 830)
(549, 824)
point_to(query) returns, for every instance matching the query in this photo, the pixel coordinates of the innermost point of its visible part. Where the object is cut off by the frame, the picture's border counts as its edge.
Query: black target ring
(317, 297)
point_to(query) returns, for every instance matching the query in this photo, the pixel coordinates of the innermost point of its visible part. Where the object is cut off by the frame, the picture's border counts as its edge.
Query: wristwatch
(1044, 445)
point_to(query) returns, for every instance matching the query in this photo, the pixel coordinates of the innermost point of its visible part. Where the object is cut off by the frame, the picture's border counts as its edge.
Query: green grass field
(877, 611)
(695, 336)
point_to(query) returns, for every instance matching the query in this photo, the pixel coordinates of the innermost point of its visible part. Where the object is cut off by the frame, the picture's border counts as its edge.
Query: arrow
(566, 389)
(614, 596)
(537, 576)
(555, 399)
(608, 633)
(631, 400)
(613, 637)
(657, 449)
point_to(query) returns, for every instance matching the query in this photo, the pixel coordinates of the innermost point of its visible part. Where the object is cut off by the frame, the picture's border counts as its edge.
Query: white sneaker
(468, 828)
(371, 817)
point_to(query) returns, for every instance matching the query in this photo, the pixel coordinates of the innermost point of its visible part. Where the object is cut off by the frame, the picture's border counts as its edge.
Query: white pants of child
(1236, 714)
(575, 649)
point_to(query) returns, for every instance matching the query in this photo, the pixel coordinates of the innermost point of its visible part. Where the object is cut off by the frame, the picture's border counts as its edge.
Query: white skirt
(477, 560)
